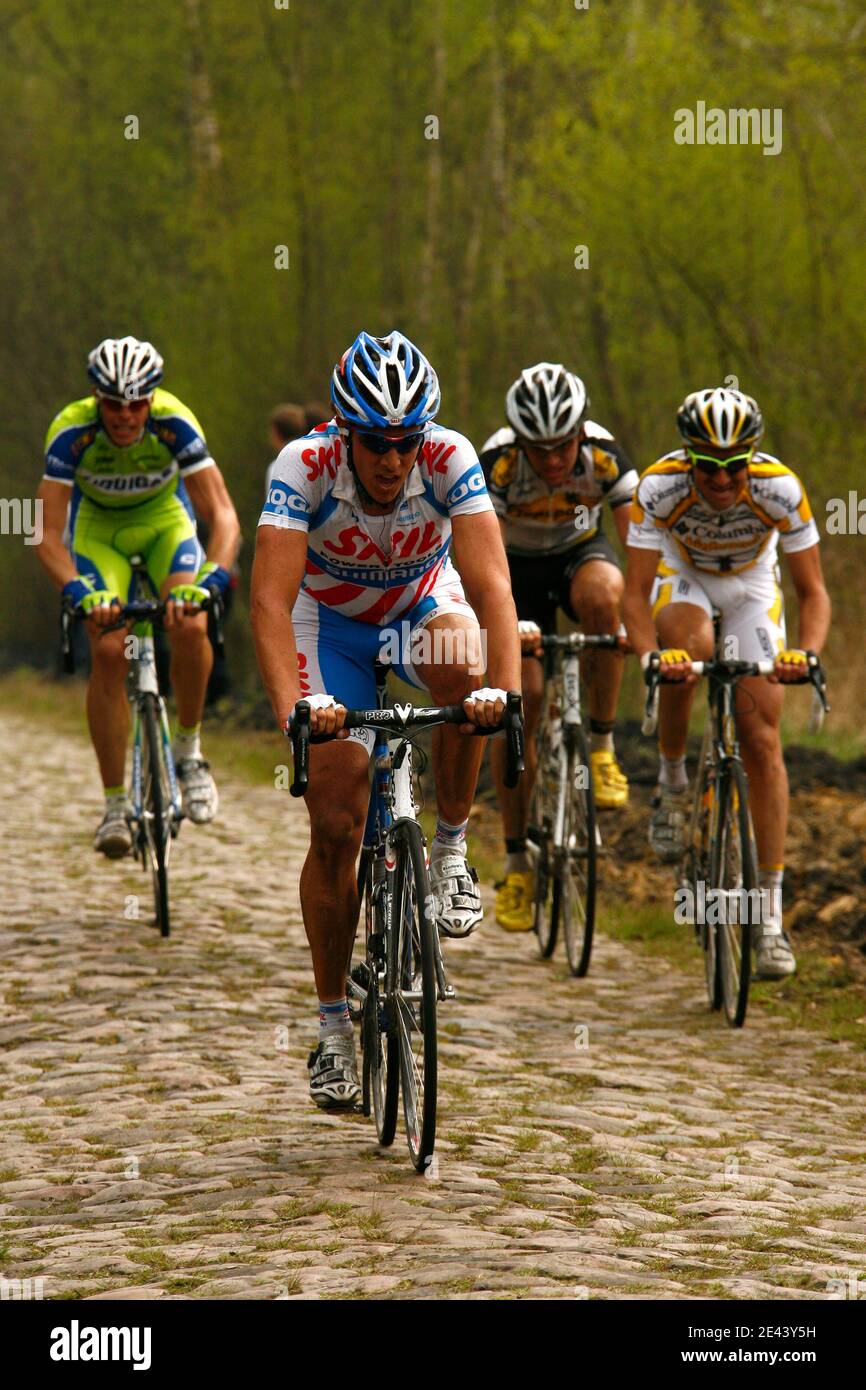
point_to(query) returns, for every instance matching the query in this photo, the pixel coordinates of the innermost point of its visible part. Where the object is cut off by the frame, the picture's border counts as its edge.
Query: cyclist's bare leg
(337, 803)
(454, 669)
(759, 711)
(107, 705)
(596, 594)
(686, 626)
(514, 802)
(191, 660)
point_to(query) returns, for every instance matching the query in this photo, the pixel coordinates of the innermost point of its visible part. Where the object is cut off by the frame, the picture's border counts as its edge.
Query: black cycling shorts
(541, 583)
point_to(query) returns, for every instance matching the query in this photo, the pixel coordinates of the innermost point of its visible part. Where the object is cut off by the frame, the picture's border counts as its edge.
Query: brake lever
(299, 733)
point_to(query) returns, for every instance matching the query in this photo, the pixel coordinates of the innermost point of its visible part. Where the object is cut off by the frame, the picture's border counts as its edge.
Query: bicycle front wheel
(381, 1061)
(156, 807)
(542, 815)
(413, 992)
(574, 890)
(698, 867)
(735, 872)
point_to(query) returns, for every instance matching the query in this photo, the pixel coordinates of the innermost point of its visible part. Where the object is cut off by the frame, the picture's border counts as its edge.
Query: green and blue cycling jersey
(129, 501)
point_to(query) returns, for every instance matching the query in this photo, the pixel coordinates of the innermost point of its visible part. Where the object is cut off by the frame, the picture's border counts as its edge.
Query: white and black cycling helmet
(720, 417)
(546, 402)
(125, 368)
(384, 381)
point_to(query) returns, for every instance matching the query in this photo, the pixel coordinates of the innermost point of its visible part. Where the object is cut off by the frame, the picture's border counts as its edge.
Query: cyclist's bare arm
(620, 520)
(53, 555)
(639, 579)
(479, 556)
(812, 598)
(637, 614)
(278, 569)
(211, 501)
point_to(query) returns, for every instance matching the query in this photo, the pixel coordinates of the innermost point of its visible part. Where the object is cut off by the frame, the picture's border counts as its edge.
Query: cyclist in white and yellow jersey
(705, 526)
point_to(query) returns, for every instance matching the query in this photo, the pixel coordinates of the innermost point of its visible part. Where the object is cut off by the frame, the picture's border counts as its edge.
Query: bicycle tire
(413, 925)
(575, 886)
(699, 870)
(380, 1054)
(734, 826)
(540, 834)
(155, 801)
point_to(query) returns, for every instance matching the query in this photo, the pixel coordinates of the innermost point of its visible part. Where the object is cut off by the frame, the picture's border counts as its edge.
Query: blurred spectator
(317, 413)
(287, 422)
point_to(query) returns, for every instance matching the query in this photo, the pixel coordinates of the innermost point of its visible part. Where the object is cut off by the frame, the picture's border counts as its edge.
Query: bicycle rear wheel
(542, 814)
(413, 992)
(156, 807)
(574, 890)
(735, 870)
(381, 1061)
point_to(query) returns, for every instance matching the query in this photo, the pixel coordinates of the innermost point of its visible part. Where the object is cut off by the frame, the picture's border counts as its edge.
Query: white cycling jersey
(541, 520)
(668, 514)
(373, 568)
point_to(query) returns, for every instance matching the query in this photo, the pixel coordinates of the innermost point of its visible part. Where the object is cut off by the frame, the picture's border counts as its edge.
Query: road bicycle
(720, 850)
(154, 794)
(563, 837)
(395, 989)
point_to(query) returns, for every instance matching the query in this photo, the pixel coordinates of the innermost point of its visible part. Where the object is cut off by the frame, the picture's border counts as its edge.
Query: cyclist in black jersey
(549, 474)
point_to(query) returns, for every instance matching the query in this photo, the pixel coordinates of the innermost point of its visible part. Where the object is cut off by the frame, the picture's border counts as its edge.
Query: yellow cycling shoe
(515, 902)
(608, 782)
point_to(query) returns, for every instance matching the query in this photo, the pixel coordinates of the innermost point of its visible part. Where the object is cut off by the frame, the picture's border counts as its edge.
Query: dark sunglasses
(549, 448)
(707, 464)
(381, 444)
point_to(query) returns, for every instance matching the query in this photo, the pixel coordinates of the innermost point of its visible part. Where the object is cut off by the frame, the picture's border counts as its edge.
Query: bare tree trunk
(430, 251)
(207, 151)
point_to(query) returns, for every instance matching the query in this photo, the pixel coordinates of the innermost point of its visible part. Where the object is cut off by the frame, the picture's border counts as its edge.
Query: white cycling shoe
(774, 955)
(454, 885)
(333, 1068)
(198, 791)
(113, 835)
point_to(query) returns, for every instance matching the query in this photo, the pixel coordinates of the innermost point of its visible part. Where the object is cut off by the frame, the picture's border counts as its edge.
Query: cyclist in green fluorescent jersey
(128, 464)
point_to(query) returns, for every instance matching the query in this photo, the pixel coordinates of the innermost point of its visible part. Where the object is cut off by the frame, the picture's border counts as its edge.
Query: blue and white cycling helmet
(381, 382)
(125, 368)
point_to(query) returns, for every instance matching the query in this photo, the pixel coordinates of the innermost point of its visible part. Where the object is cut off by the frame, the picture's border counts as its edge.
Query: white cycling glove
(526, 628)
(487, 694)
(320, 701)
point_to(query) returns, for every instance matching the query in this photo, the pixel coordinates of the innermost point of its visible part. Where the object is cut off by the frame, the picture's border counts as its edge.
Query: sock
(516, 858)
(672, 772)
(334, 1018)
(187, 743)
(601, 735)
(770, 884)
(449, 839)
(115, 794)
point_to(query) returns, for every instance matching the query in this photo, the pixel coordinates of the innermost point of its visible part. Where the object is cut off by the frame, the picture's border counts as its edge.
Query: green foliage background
(261, 126)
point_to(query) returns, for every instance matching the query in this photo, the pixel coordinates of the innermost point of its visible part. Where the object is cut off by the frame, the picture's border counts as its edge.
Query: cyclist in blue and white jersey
(353, 560)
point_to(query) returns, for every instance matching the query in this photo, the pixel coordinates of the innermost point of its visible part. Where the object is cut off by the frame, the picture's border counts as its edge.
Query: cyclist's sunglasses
(381, 444)
(707, 464)
(550, 448)
(114, 404)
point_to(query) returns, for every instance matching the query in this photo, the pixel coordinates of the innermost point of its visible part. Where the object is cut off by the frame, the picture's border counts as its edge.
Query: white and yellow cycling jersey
(669, 515)
(541, 520)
